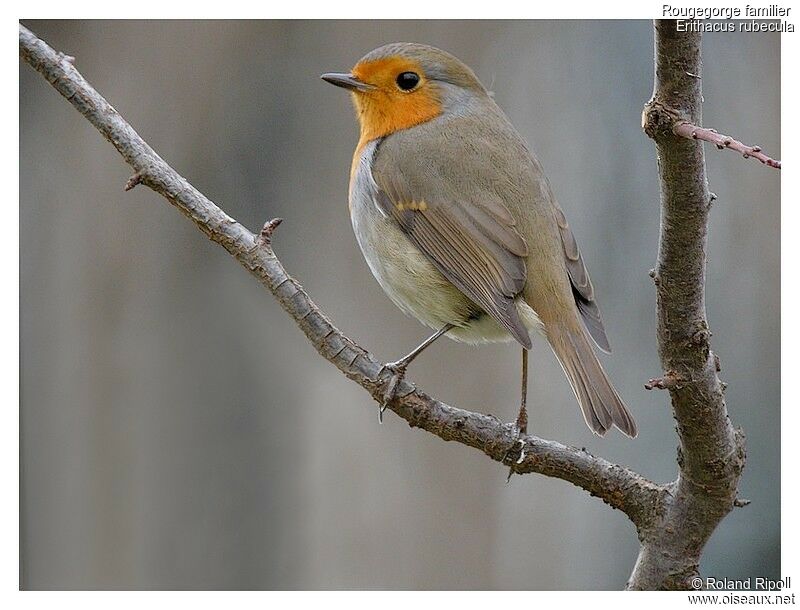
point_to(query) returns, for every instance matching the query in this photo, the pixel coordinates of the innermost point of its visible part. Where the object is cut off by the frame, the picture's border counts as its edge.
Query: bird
(459, 224)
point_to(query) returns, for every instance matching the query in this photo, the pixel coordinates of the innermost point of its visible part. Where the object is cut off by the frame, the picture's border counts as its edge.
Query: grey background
(177, 431)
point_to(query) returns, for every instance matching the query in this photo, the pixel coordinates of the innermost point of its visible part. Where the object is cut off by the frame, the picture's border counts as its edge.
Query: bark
(711, 453)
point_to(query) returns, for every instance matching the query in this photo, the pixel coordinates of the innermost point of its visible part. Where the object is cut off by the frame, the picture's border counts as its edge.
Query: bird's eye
(407, 80)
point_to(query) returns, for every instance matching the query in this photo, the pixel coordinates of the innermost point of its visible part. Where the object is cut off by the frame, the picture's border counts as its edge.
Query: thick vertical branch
(711, 452)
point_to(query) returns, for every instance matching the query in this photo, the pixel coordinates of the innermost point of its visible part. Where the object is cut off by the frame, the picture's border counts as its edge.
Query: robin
(458, 223)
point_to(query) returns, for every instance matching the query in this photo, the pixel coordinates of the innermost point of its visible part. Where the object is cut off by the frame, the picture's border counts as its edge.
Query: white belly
(410, 280)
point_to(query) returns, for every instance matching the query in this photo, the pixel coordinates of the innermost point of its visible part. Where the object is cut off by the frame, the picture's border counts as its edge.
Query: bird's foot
(516, 453)
(398, 370)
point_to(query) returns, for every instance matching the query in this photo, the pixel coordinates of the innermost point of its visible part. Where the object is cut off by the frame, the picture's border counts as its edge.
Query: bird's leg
(398, 368)
(522, 417)
(521, 423)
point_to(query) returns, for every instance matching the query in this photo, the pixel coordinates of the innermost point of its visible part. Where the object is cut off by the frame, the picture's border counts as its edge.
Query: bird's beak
(347, 81)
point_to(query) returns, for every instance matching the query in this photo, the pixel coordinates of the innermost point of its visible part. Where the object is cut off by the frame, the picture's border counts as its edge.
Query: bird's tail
(601, 405)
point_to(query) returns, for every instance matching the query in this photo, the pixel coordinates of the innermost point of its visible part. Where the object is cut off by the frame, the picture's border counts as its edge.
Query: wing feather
(582, 288)
(474, 245)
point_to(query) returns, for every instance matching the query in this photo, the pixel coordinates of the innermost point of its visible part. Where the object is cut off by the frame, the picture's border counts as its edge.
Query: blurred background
(177, 430)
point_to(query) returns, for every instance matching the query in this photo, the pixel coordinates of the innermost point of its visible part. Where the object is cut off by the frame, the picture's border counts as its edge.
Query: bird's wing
(473, 243)
(582, 288)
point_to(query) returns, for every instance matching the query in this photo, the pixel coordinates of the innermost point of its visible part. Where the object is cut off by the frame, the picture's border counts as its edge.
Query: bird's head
(403, 84)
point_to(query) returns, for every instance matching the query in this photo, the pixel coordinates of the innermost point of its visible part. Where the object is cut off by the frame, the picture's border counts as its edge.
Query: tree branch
(640, 499)
(686, 130)
(711, 454)
(658, 117)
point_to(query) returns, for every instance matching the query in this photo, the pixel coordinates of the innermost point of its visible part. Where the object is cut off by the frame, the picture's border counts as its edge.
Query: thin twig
(685, 129)
(133, 181)
(265, 236)
(670, 380)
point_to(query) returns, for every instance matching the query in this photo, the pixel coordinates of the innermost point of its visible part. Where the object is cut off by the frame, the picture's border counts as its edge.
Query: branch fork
(133, 181)
(659, 119)
(711, 452)
(265, 236)
(670, 381)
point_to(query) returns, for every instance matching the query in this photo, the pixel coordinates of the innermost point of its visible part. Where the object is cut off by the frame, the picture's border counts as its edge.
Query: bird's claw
(398, 370)
(516, 452)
